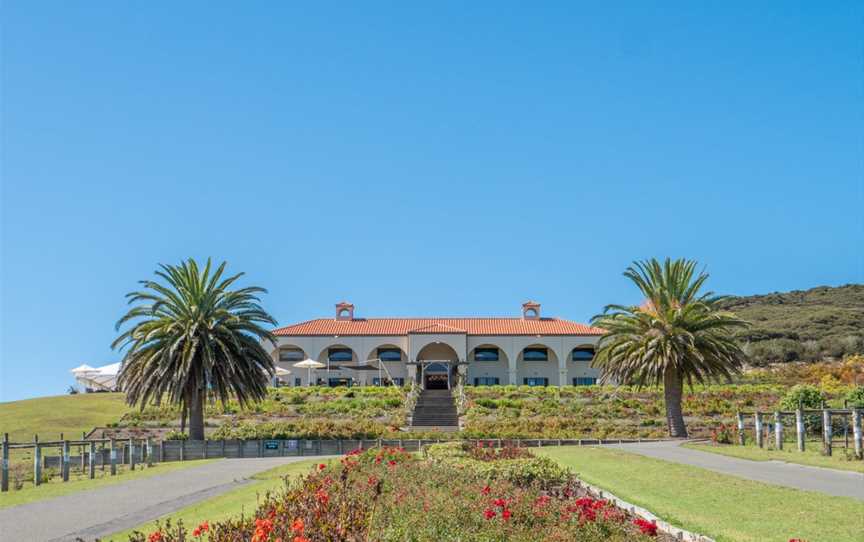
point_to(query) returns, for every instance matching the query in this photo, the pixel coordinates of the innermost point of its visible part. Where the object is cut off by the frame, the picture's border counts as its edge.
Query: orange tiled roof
(404, 326)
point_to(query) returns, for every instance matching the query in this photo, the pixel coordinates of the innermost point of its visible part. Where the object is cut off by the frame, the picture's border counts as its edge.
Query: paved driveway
(109, 509)
(830, 481)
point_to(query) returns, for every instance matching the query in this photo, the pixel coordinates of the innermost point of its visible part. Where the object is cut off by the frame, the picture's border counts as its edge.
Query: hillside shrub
(806, 395)
(855, 398)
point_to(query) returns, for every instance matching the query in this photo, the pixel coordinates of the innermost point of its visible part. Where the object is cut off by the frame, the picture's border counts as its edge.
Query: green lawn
(56, 487)
(723, 507)
(67, 414)
(241, 500)
(811, 455)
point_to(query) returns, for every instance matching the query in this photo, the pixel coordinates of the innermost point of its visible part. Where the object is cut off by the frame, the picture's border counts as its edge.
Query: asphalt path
(117, 507)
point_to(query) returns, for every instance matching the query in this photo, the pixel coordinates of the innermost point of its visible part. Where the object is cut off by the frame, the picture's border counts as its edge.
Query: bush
(176, 435)
(802, 394)
(855, 398)
(388, 495)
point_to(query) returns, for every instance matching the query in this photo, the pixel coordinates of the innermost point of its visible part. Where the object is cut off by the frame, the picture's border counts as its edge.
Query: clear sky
(416, 160)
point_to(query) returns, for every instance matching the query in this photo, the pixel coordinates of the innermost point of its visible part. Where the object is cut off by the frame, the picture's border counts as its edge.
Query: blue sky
(416, 160)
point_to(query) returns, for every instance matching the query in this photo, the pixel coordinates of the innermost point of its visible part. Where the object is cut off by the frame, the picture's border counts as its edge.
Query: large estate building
(438, 352)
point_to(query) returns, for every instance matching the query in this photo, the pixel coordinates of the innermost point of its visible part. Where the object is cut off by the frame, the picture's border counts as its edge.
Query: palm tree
(677, 335)
(192, 337)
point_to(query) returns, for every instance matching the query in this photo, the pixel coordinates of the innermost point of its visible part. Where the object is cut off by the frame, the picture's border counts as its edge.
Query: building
(437, 352)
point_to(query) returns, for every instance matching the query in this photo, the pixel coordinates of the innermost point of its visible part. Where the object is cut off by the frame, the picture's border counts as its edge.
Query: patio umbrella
(282, 372)
(82, 369)
(309, 364)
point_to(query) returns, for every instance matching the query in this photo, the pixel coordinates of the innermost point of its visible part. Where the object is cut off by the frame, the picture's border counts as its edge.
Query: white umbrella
(282, 372)
(82, 369)
(309, 364)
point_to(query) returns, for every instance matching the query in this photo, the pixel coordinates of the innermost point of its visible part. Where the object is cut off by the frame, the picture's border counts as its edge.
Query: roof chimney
(344, 311)
(530, 310)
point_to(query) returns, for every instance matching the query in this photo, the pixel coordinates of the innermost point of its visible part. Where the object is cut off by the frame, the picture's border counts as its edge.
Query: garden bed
(388, 494)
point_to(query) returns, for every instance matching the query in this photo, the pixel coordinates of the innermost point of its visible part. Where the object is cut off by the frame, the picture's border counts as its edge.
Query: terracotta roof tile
(470, 326)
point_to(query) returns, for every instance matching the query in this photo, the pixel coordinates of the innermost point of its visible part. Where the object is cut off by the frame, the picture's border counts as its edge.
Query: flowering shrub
(486, 451)
(390, 495)
(722, 434)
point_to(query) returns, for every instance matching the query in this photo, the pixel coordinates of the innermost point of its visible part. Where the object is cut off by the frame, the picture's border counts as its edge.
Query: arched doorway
(436, 376)
(437, 363)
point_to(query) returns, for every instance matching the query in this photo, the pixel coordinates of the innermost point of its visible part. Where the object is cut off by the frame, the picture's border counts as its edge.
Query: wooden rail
(827, 415)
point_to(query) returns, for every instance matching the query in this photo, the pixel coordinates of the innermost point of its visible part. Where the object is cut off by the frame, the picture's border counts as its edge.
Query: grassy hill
(49, 416)
(803, 325)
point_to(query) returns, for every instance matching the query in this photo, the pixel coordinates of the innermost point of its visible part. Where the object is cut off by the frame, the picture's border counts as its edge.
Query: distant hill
(805, 325)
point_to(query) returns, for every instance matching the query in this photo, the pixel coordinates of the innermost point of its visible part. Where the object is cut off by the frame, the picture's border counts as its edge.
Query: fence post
(37, 461)
(799, 428)
(81, 452)
(112, 452)
(64, 458)
(131, 454)
(222, 447)
(149, 452)
(778, 431)
(4, 477)
(757, 418)
(92, 460)
(826, 432)
(856, 433)
(741, 438)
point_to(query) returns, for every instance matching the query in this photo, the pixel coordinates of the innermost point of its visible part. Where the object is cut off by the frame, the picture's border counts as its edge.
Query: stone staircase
(435, 410)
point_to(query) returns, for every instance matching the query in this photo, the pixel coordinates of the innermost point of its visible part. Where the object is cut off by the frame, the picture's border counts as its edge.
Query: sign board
(271, 444)
(290, 444)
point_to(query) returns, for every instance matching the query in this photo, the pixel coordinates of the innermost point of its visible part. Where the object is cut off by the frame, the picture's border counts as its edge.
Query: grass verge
(811, 455)
(723, 507)
(244, 499)
(56, 488)
(69, 414)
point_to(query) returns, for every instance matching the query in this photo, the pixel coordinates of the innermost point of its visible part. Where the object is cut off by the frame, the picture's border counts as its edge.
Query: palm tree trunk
(196, 416)
(672, 390)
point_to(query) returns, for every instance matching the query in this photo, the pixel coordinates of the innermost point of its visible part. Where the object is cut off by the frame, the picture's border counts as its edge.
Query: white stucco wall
(510, 369)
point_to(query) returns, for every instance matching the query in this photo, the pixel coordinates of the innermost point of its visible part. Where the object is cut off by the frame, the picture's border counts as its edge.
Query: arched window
(583, 354)
(291, 354)
(339, 354)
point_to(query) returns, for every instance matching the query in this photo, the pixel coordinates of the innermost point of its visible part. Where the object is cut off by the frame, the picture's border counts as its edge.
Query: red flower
(392, 462)
(322, 496)
(297, 526)
(505, 515)
(501, 503)
(489, 513)
(645, 526)
(321, 466)
(155, 536)
(301, 539)
(486, 490)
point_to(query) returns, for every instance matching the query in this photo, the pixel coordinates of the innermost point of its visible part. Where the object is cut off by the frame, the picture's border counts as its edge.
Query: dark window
(486, 381)
(536, 381)
(389, 354)
(298, 381)
(339, 354)
(584, 381)
(291, 354)
(583, 354)
(486, 354)
(535, 354)
(333, 382)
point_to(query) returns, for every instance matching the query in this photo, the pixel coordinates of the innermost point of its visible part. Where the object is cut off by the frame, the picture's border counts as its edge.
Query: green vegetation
(804, 325)
(191, 339)
(678, 335)
(68, 414)
(841, 459)
(243, 500)
(56, 488)
(722, 507)
(610, 412)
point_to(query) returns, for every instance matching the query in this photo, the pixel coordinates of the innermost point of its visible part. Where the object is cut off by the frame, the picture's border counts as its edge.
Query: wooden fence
(139, 452)
(779, 420)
